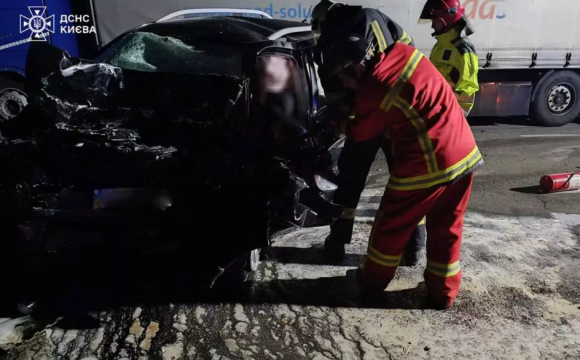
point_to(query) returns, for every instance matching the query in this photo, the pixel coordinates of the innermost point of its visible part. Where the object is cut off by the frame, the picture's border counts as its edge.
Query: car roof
(228, 28)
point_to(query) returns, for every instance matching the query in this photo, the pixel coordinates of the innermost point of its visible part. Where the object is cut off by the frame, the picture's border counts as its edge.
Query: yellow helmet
(319, 15)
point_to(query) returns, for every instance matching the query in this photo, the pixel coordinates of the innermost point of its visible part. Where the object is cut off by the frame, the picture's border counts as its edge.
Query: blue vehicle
(24, 21)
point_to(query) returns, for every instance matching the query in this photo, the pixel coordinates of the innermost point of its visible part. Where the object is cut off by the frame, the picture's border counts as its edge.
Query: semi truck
(529, 51)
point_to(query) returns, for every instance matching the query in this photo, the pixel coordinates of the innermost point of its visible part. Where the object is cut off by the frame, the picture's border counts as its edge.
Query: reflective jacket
(455, 57)
(377, 27)
(404, 97)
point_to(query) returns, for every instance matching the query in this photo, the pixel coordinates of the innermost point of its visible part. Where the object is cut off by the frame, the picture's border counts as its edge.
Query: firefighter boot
(414, 247)
(340, 235)
(371, 295)
(410, 258)
(334, 249)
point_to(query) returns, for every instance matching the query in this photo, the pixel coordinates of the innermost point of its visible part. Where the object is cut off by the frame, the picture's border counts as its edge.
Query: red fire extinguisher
(560, 182)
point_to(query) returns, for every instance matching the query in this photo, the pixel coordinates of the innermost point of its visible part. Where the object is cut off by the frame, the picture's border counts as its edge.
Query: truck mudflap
(503, 99)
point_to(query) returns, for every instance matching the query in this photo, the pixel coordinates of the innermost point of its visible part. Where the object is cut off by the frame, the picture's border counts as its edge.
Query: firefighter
(453, 54)
(401, 95)
(329, 20)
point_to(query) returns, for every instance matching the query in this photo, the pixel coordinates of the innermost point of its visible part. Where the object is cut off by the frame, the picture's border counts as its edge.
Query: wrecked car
(162, 145)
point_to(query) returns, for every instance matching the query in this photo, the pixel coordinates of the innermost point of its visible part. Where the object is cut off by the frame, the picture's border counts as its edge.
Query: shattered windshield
(145, 51)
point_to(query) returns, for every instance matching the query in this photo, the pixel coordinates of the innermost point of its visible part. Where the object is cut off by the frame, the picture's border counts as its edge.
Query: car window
(145, 51)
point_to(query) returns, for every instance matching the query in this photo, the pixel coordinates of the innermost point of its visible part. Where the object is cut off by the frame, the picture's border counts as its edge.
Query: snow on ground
(520, 299)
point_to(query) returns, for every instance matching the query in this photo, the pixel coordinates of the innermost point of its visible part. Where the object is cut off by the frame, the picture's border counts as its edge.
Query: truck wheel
(13, 99)
(557, 100)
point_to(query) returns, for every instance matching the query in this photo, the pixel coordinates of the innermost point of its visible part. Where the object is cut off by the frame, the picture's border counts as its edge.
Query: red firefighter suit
(431, 169)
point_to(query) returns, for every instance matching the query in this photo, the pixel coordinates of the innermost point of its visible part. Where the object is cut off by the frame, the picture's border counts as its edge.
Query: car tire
(557, 99)
(239, 271)
(13, 98)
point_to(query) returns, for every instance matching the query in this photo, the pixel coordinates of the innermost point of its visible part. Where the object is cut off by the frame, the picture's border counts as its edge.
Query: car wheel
(239, 271)
(13, 99)
(557, 100)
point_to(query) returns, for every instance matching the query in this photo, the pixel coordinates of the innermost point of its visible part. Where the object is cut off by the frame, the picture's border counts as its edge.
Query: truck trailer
(529, 51)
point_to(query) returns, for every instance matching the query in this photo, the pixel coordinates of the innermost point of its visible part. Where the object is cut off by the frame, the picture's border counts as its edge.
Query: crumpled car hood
(75, 86)
(82, 104)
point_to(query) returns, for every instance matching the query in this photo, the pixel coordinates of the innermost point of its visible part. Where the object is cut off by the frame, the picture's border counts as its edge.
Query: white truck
(529, 50)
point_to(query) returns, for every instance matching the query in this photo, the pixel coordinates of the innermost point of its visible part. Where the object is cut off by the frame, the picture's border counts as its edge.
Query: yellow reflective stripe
(423, 221)
(379, 35)
(421, 127)
(473, 153)
(405, 38)
(389, 258)
(348, 213)
(446, 175)
(375, 255)
(382, 37)
(443, 270)
(406, 74)
(385, 260)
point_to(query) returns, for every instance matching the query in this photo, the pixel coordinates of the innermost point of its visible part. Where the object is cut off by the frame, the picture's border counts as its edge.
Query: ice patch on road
(240, 315)
(199, 313)
(175, 350)
(98, 339)
(519, 286)
(135, 332)
(137, 313)
(150, 333)
(12, 331)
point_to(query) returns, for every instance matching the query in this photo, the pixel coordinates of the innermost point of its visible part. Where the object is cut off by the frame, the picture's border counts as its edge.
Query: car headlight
(324, 184)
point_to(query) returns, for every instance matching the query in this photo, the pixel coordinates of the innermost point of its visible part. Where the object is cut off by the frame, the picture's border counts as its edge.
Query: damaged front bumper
(78, 221)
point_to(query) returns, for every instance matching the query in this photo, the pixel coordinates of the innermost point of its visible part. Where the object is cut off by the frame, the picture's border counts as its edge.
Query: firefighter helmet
(448, 12)
(319, 15)
(345, 52)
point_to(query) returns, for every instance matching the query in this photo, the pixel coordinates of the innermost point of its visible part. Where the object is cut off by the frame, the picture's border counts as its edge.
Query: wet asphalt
(517, 154)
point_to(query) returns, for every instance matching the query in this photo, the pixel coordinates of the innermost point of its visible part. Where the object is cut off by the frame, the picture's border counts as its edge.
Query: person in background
(329, 21)
(453, 54)
(401, 95)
